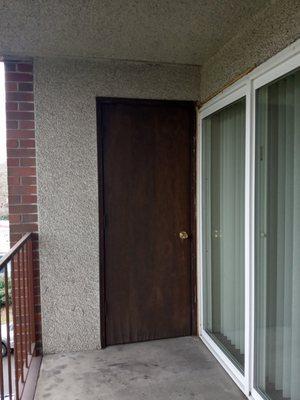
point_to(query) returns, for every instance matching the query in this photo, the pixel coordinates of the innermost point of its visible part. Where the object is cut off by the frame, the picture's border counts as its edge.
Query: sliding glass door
(277, 239)
(249, 224)
(223, 219)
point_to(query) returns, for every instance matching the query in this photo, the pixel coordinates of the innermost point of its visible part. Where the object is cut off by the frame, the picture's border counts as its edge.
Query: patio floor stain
(170, 369)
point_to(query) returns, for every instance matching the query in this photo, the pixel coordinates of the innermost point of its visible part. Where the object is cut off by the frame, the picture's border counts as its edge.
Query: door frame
(100, 101)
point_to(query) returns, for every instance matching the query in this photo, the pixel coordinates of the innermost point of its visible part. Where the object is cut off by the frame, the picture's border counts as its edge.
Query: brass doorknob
(183, 235)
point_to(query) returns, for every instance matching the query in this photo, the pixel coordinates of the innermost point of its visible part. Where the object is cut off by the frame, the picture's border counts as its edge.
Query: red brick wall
(21, 163)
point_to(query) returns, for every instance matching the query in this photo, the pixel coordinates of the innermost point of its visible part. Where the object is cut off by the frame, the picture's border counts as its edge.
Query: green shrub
(2, 292)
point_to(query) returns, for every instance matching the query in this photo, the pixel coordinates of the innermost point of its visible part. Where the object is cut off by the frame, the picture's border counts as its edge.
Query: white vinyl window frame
(276, 67)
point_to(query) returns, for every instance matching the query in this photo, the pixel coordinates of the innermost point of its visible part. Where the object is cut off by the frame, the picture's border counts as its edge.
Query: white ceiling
(173, 31)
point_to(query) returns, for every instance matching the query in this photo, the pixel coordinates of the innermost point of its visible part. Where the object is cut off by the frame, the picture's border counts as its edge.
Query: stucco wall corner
(265, 34)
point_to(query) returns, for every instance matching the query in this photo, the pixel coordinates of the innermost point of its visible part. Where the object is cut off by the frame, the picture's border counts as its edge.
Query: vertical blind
(223, 217)
(277, 256)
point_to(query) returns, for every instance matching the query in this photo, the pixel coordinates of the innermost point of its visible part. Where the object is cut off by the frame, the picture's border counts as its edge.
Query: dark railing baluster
(19, 260)
(15, 322)
(31, 294)
(24, 312)
(7, 307)
(27, 306)
(1, 364)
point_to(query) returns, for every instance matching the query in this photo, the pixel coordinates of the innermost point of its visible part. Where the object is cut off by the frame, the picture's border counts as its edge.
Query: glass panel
(223, 217)
(277, 231)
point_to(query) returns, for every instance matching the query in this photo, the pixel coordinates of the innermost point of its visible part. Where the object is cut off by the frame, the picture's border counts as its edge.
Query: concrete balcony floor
(171, 369)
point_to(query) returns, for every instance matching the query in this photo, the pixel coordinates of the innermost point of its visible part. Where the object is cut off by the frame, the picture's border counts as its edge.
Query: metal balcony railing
(17, 327)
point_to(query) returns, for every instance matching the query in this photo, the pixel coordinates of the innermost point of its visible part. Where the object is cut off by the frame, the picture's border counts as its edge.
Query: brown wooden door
(146, 170)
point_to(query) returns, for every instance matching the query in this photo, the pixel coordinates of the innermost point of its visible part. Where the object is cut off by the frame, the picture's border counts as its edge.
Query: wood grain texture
(146, 168)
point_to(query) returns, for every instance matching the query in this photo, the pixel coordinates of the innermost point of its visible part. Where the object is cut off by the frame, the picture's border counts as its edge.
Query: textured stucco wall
(65, 93)
(265, 34)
